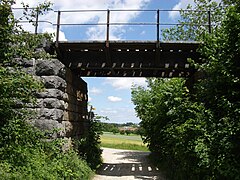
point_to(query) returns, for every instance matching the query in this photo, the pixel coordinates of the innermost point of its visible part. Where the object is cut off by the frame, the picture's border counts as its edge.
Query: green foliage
(194, 23)
(122, 132)
(16, 42)
(172, 123)
(196, 136)
(25, 153)
(16, 90)
(40, 160)
(110, 127)
(89, 145)
(119, 128)
(6, 29)
(220, 93)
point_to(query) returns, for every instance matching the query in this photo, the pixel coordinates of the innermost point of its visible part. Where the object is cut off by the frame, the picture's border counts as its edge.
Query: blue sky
(110, 96)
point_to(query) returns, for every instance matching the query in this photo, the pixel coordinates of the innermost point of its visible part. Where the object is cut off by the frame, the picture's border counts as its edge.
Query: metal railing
(35, 22)
(108, 24)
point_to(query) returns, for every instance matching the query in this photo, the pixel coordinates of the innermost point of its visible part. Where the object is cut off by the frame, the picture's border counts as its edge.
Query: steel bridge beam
(129, 58)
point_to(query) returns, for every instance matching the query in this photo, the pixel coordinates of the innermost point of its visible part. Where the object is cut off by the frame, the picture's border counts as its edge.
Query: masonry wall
(63, 103)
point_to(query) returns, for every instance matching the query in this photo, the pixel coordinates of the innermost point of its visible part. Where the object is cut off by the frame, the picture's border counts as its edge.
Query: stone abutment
(62, 106)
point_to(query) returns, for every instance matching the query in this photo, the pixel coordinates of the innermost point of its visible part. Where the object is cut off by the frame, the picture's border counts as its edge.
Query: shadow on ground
(138, 166)
(134, 156)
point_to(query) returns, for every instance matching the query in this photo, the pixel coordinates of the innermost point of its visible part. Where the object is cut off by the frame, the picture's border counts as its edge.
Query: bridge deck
(128, 58)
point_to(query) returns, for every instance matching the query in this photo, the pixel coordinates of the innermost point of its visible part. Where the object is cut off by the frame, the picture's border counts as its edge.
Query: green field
(117, 141)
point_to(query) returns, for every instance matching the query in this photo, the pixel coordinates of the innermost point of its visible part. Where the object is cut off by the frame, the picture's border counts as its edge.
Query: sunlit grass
(132, 142)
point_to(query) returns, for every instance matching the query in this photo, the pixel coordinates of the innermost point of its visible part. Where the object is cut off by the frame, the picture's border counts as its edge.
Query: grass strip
(123, 142)
(126, 146)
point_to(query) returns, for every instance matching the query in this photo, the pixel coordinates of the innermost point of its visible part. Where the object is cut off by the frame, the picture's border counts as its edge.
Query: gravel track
(126, 165)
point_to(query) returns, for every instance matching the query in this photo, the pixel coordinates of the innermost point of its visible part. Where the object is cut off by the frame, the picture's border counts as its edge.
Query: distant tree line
(125, 128)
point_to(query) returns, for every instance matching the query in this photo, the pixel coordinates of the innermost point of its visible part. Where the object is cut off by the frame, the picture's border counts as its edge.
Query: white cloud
(108, 111)
(120, 115)
(125, 83)
(89, 99)
(182, 4)
(114, 99)
(94, 32)
(143, 33)
(95, 91)
(53, 31)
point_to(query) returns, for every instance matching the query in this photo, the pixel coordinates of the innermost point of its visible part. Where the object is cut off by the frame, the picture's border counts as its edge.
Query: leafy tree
(115, 130)
(89, 145)
(122, 132)
(127, 132)
(197, 135)
(25, 153)
(171, 124)
(194, 21)
(220, 92)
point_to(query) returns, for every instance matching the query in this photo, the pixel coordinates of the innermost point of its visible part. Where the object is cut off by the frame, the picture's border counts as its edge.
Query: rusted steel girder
(129, 58)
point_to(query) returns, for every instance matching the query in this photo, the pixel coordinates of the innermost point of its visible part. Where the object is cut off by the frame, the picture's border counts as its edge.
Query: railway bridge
(128, 58)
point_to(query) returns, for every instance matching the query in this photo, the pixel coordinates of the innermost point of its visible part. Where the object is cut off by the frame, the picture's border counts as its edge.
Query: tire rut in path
(126, 165)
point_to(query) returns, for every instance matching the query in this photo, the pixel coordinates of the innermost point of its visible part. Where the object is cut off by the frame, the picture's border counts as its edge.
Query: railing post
(36, 23)
(157, 56)
(108, 19)
(158, 24)
(209, 22)
(58, 26)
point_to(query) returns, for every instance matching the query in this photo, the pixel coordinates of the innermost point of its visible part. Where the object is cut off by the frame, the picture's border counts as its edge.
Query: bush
(171, 124)
(197, 135)
(39, 163)
(89, 145)
(128, 132)
(122, 132)
(25, 153)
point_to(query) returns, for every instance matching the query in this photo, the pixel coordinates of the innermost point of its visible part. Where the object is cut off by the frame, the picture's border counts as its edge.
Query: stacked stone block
(63, 103)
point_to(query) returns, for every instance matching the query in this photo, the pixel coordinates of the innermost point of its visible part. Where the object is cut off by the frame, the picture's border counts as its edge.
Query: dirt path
(126, 165)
